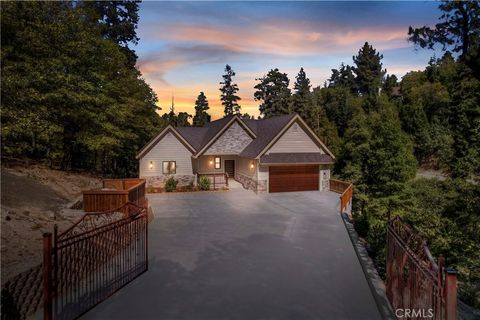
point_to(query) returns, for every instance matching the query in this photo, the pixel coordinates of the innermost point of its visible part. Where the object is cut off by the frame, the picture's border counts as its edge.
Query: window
(218, 163)
(169, 167)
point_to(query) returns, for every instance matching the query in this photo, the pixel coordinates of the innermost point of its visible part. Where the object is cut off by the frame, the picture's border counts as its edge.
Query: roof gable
(232, 141)
(294, 139)
(159, 137)
(266, 130)
(217, 128)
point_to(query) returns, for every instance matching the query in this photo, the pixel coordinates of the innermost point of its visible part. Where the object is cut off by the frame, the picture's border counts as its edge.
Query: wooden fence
(114, 193)
(346, 193)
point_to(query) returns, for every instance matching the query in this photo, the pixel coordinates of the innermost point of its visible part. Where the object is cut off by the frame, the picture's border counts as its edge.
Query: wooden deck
(114, 194)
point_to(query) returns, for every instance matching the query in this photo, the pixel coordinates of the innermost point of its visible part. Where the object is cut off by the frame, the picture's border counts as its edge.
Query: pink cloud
(291, 40)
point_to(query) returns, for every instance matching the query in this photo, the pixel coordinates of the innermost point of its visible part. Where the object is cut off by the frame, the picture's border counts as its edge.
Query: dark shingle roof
(310, 157)
(266, 130)
(193, 135)
(198, 137)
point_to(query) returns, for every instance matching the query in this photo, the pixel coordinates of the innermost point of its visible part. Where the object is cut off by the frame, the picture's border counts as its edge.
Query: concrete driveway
(238, 255)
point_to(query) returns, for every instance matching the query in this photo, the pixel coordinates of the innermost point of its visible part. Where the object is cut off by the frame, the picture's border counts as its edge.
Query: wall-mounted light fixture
(252, 165)
(151, 165)
(211, 162)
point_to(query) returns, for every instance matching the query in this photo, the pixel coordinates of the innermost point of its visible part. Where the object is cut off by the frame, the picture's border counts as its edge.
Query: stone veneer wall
(159, 181)
(262, 186)
(247, 182)
(232, 141)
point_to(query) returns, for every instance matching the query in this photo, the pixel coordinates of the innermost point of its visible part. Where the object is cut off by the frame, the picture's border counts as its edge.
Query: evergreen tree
(368, 69)
(70, 96)
(183, 119)
(201, 106)
(273, 92)
(391, 81)
(459, 28)
(301, 98)
(118, 22)
(343, 77)
(228, 93)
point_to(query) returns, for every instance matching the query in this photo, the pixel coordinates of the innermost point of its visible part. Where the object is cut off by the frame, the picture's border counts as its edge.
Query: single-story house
(278, 154)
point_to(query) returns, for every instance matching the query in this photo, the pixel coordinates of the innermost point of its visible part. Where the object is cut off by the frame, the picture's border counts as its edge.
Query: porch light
(211, 162)
(151, 165)
(252, 165)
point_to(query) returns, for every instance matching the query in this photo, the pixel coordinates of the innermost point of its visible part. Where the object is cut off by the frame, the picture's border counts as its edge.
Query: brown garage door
(293, 178)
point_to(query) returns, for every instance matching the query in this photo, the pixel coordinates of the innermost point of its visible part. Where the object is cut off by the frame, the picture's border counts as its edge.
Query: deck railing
(114, 193)
(216, 179)
(346, 193)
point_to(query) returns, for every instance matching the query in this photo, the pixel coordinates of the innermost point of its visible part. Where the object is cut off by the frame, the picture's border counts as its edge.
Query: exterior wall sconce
(252, 165)
(211, 162)
(151, 165)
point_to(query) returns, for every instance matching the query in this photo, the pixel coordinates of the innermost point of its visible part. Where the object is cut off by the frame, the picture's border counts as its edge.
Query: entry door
(230, 168)
(293, 178)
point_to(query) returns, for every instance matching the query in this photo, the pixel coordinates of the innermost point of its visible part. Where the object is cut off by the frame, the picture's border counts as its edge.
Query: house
(278, 154)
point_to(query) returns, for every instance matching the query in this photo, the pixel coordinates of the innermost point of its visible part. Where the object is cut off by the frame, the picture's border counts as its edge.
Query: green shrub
(170, 184)
(361, 224)
(204, 183)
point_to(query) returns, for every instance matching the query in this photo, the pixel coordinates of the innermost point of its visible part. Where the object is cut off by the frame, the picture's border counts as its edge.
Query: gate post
(47, 276)
(450, 294)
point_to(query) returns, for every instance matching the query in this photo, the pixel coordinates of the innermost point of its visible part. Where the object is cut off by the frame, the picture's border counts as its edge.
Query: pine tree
(368, 70)
(274, 93)
(228, 93)
(301, 99)
(459, 28)
(201, 106)
(343, 77)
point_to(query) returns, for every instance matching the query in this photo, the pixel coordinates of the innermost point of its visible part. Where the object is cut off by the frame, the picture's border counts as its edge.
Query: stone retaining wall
(247, 182)
(159, 181)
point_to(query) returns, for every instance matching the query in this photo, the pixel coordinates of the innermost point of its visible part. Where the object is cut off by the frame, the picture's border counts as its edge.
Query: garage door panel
(293, 178)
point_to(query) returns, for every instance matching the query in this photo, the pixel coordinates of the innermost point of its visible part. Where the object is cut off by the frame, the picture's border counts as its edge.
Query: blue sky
(184, 46)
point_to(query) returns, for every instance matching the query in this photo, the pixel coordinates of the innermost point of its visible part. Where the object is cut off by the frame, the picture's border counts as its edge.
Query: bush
(204, 183)
(170, 184)
(361, 224)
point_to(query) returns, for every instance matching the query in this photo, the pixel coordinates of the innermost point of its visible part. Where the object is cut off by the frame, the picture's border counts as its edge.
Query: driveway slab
(238, 255)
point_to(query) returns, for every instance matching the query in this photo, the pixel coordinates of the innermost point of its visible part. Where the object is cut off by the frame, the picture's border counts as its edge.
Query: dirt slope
(33, 199)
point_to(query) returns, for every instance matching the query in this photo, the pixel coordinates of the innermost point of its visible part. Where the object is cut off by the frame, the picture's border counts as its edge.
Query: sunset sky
(184, 46)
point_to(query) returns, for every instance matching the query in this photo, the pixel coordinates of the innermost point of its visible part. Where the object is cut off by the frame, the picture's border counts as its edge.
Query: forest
(73, 98)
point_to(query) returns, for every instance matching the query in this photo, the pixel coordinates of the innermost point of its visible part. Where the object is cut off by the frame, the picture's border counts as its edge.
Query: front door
(230, 168)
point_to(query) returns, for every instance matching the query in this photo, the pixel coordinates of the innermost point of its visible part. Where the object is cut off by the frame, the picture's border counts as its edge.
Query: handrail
(346, 192)
(213, 175)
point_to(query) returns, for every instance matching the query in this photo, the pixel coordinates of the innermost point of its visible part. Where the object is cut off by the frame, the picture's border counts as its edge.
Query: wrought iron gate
(415, 283)
(93, 259)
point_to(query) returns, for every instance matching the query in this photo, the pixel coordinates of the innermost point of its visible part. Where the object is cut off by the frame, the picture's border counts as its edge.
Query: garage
(293, 178)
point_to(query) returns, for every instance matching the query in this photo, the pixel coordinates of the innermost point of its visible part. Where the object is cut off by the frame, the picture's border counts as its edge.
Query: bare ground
(33, 199)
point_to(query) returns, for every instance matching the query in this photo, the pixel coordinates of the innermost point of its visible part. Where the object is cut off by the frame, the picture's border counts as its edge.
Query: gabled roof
(265, 132)
(216, 128)
(158, 137)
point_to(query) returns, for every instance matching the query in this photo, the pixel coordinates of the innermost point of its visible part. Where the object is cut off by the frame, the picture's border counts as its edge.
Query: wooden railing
(115, 193)
(346, 192)
(414, 280)
(216, 179)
